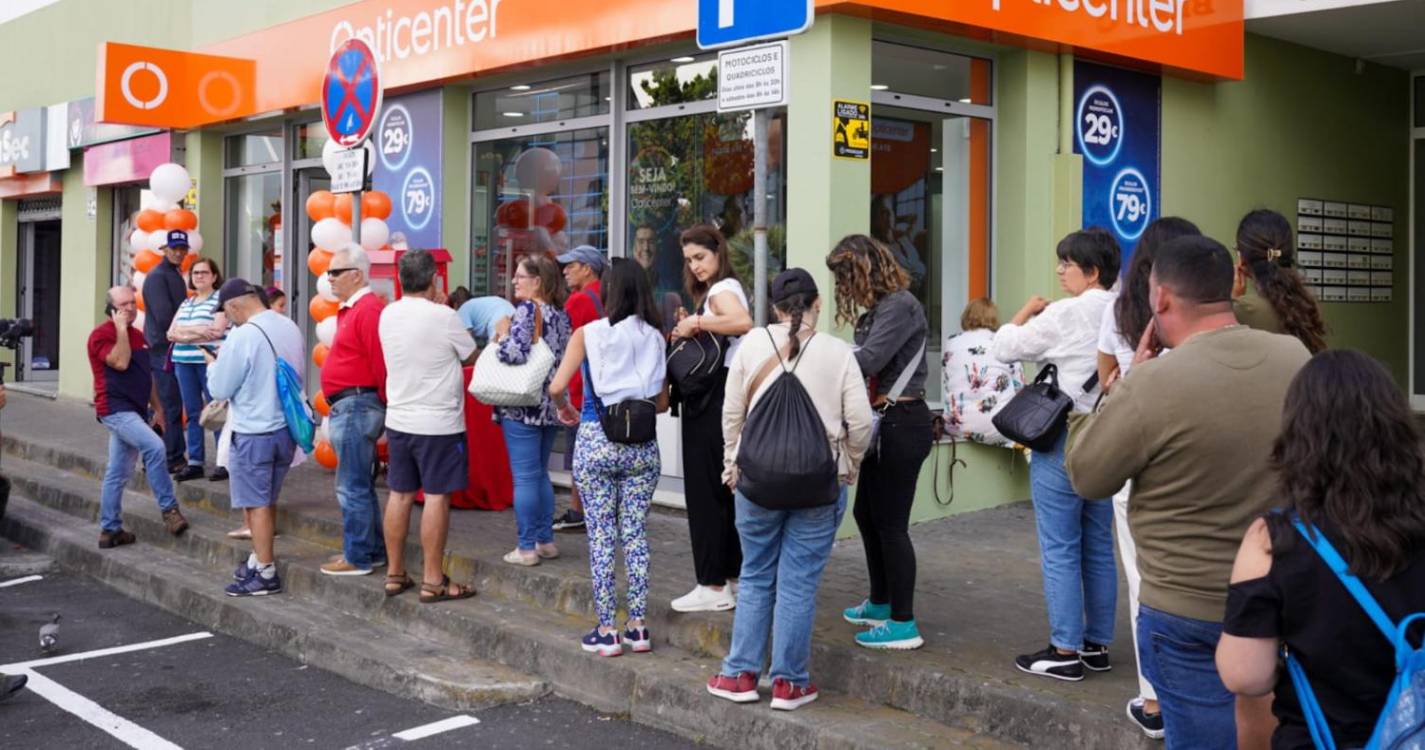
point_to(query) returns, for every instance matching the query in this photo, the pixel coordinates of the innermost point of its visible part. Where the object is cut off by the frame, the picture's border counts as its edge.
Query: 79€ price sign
(407, 139)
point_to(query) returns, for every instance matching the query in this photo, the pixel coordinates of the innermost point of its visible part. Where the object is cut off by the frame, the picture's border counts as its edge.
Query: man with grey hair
(354, 383)
(424, 343)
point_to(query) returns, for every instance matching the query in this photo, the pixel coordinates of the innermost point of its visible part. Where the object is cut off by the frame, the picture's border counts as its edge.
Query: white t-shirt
(1110, 339)
(626, 360)
(729, 285)
(424, 345)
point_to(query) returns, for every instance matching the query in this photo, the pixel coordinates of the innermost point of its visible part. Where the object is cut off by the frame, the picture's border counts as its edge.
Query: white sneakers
(706, 599)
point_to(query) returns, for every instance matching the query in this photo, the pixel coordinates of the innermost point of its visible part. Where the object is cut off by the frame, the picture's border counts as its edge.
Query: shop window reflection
(254, 226)
(524, 104)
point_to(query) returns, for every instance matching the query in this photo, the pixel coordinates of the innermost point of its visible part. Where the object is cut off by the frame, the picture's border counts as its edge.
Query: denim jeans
(783, 556)
(130, 436)
(193, 385)
(529, 447)
(1075, 554)
(1178, 657)
(172, 401)
(354, 425)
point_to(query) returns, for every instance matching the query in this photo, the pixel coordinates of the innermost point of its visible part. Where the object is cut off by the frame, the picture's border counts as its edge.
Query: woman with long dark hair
(873, 291)
(1276, 299)
(722, 310)
(621, 358)
(1349, 461)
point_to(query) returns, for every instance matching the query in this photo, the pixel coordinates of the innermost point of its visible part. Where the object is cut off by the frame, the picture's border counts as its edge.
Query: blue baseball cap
(177, 238)
(586, 254)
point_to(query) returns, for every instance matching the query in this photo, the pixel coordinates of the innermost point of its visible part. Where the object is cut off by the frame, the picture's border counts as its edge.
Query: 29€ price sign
(1117, 129)
(407, 138)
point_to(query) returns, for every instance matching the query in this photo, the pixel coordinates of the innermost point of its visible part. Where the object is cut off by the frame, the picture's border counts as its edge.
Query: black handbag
(695, 363)
(631, 421)
(1039, 414)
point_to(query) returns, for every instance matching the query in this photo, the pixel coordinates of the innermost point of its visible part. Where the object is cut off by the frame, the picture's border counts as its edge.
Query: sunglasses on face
(335, 272)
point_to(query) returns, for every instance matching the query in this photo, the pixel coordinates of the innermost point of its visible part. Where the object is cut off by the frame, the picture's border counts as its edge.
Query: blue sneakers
(898, 636)
(603, 644)
(638, 639)
(243, 572)
(255, 585)
(867, 613)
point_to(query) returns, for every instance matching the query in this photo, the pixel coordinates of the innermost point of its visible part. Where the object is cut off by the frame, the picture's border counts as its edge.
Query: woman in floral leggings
(621, 357)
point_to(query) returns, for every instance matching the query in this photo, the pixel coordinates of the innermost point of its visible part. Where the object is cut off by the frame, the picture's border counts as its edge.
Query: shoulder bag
(1039, 414)
(499, 384)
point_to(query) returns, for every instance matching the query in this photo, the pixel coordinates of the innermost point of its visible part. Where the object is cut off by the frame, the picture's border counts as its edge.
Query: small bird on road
(49, 635)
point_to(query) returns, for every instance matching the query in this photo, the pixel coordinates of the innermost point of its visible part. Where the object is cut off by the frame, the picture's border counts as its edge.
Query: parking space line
(116, 726)
(436, 727)
(65, 659)
(18, 581)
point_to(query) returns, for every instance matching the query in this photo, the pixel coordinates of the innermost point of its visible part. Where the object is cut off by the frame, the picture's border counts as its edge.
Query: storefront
(504, 132)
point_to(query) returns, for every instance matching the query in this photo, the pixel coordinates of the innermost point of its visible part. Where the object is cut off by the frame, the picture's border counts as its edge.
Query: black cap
(792, 282)
(234, 288)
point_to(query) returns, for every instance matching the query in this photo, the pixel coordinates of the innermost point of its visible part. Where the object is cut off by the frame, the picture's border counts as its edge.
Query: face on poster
(407, 138)
(1117, 115)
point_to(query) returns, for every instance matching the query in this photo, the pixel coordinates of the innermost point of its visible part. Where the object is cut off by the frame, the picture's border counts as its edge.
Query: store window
(676, 81)
(930, 73)
(311, 138)
(254, 227)
(536, 194)
(526, 104)
(251, 149)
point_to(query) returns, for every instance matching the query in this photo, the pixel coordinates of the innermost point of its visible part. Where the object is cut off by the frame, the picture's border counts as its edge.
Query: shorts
(436, 464)
(257, 464)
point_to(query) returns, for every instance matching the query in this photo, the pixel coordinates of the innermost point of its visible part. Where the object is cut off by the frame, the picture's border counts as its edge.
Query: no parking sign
(351, 93)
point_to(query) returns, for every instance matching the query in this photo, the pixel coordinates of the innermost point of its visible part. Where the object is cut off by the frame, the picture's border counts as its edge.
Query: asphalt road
(220, 692)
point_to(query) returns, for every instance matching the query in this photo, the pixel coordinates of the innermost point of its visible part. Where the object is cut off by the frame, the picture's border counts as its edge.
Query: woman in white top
(785, 551)
(622, 359)
(1075, 534)
(198, 322)
(976, 385)
(721, 309)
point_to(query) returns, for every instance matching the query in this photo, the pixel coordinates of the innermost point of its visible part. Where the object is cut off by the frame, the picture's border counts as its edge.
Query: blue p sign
(724, 23)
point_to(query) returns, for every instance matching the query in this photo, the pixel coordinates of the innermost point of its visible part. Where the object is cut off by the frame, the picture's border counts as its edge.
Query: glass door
(300, 285)
(38, 295)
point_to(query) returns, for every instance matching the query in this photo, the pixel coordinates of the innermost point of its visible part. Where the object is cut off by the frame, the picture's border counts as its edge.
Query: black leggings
(884, 495)
(712, 523)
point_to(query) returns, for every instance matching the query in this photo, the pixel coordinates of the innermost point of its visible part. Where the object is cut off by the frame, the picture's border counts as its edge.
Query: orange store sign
(171, 89)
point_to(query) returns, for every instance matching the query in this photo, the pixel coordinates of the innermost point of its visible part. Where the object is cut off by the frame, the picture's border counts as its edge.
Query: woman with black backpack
(704, 344)
(890, 340)
(796, 422)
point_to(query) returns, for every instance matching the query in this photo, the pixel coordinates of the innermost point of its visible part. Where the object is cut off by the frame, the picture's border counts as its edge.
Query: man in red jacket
(354, 383)
(582, 267)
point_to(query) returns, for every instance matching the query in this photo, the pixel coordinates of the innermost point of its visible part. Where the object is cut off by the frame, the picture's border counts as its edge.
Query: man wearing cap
(163, 291)
(582, 267)
(262, 448)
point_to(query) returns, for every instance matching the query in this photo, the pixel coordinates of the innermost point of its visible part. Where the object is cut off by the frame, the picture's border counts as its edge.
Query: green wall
(1303, 124)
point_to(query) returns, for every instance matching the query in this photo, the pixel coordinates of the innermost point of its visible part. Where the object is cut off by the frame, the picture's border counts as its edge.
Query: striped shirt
(194, 312)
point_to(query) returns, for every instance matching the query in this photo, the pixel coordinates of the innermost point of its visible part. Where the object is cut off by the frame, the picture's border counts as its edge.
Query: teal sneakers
(867, 613)
(898, 636)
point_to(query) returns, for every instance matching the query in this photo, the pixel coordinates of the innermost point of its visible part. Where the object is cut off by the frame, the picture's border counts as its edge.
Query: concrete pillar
(86, 265)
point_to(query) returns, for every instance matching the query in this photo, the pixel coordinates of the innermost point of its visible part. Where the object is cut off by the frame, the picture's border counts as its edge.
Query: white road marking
(444, 725)
(65, 659)
(122, 729)
(18, 581)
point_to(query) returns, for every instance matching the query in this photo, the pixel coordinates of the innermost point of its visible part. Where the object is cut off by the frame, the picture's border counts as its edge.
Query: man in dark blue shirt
(163, 291)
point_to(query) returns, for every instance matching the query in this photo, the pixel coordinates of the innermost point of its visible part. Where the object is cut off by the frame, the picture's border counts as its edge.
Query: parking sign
(725, 23)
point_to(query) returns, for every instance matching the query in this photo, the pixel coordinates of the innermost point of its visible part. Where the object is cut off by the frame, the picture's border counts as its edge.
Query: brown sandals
(440, 592)
(398, 583)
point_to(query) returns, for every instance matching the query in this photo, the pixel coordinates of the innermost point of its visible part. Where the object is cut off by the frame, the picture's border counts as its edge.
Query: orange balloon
(375, 205)
(319, 205)
(341, 208)
(322, 308)
(320, 405)
(318, 260)
(180, 218)
(188, 261)
(319, 354)
(325, 455)
(150, 220)
(146, 260)
(138, 299)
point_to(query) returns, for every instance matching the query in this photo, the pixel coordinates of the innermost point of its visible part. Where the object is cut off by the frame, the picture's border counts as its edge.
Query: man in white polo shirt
(424, 344)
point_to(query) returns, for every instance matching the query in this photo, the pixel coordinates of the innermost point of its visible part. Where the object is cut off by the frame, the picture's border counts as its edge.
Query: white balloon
(137, 279)
(326, 330)
(195, 241)
(157, 239)
(322, 432)
(163, 206)
(324, 288)
(331, 234)
(138, 240)
(374, 234)
(138, 321)
(169, 182)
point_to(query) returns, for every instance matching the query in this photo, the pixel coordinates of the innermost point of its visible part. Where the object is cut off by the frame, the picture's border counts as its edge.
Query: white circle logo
(234, 92)
(126, 88)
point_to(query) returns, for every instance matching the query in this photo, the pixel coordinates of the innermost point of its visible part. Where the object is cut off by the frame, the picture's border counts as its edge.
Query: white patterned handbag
(499, 384)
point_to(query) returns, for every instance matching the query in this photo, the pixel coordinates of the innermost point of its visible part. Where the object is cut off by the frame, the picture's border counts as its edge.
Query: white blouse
(626, 359)
(1065, 335)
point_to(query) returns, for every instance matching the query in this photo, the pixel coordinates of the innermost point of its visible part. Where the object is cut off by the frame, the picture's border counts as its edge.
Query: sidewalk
(978, 598)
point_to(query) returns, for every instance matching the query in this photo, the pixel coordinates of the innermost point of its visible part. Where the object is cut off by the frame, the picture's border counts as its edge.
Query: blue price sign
(1132, 202)
(1117, 131)
(1100, 125)
(407, 140)
(417, 198)
(725, 23)
(394, 136)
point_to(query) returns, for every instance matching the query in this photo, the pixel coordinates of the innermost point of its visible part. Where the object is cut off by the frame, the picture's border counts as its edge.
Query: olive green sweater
(1194, 430)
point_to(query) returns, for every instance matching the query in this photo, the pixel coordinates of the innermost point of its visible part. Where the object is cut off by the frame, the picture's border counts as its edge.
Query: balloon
(322, 308)
(157, 239)
(319, 354)
(374, 234)
(138, 320)
(169, 182)
(375, 204)
(149, 220)
(138, 240)
(188, 261)
(322, 435)
(318, 260)
(320, 405)
(136, 281)
(341, 208)
(325, 455)
(326, 331)
(180, 218)
(331, 234)
(319, 205)
(138, 299)
(146, 260)
(163, 206)
(324, 287)
(195, 241)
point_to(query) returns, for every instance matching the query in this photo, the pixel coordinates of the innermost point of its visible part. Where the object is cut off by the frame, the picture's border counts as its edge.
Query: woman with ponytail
(1277, 299)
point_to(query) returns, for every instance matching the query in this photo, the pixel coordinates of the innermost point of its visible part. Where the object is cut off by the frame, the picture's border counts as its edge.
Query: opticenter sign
(1166, 15)
(394, 37)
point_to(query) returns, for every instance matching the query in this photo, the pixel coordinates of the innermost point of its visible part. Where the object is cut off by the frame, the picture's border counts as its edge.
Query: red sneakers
(739, 689)
(788, 697)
